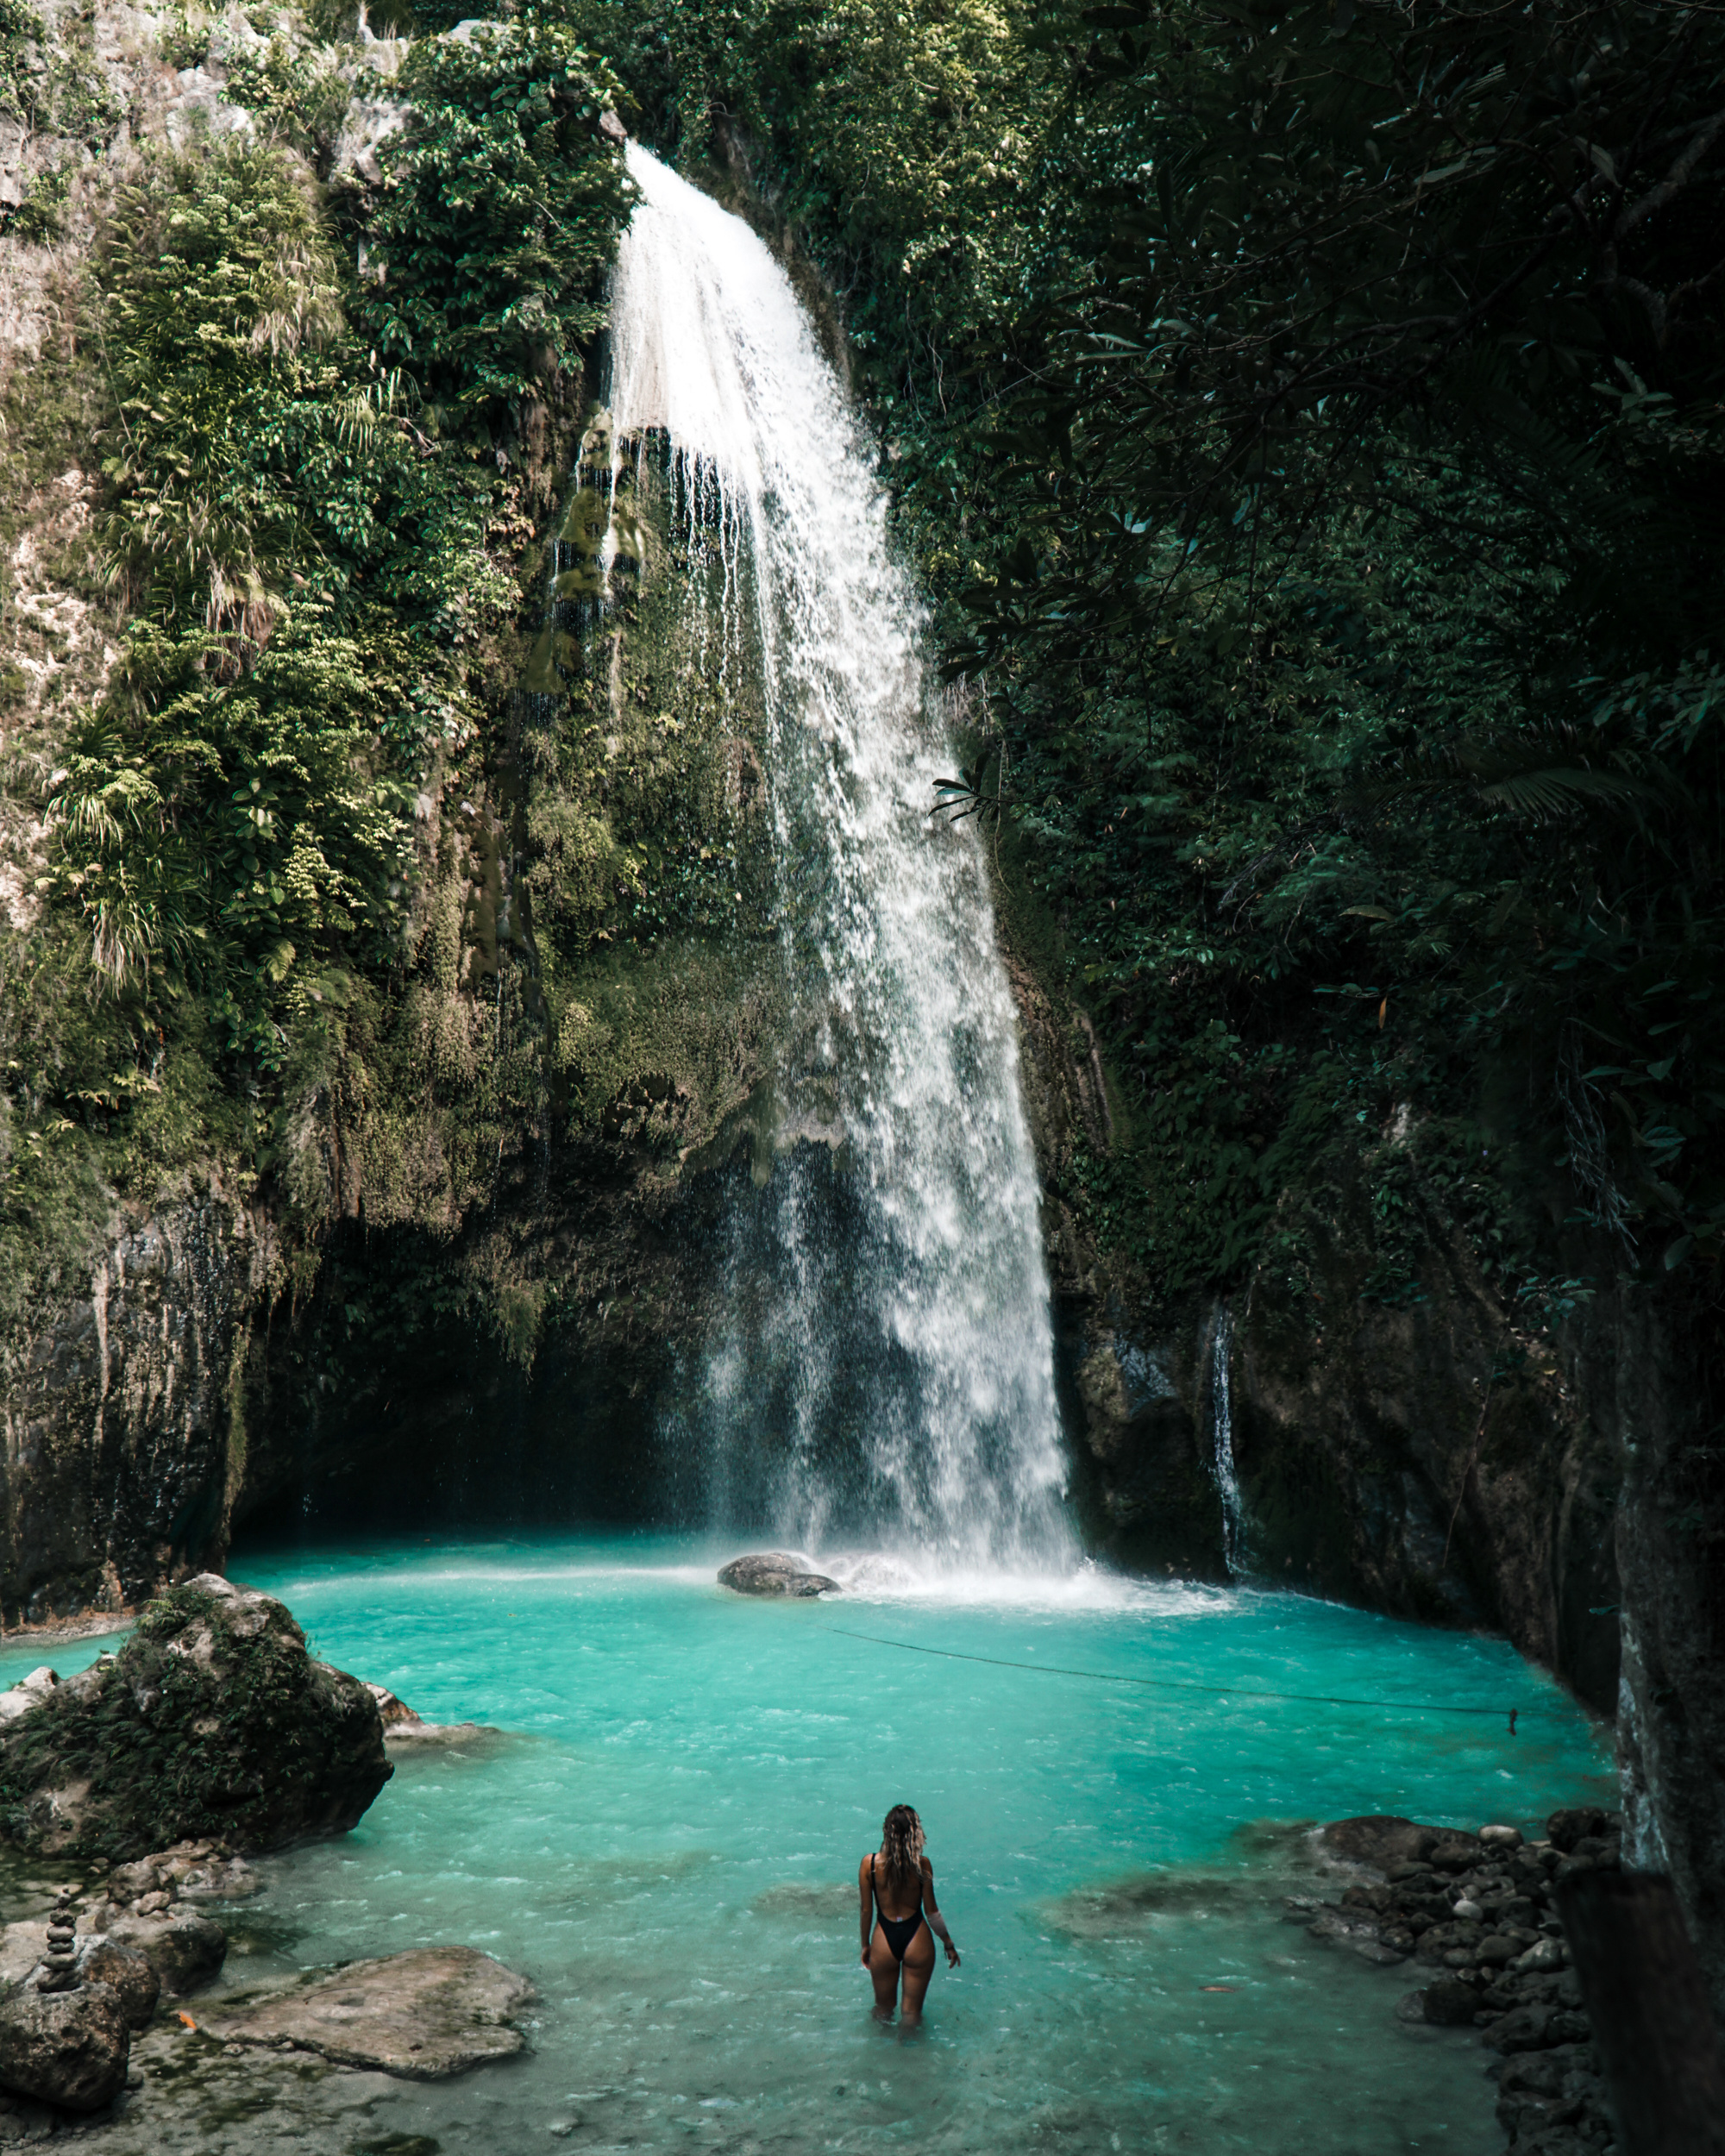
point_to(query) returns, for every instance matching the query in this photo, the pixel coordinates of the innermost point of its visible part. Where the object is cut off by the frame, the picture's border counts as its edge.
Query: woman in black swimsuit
(897, 1881)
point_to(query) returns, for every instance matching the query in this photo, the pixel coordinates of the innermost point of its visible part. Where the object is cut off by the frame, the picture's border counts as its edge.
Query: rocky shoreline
(1475, 1913)
(214, 1702)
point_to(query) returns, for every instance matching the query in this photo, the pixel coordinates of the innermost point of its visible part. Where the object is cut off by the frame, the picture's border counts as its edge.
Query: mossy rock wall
(1424, 1453)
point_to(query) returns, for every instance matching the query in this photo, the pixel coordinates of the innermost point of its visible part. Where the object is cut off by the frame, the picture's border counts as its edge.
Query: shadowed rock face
(114, 1405)
(213, 1719)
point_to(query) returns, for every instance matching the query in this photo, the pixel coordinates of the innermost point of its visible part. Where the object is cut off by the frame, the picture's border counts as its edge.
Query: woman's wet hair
(901, 1845)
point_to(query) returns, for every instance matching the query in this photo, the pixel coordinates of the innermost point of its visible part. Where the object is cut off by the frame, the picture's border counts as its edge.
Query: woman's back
(900, 1898)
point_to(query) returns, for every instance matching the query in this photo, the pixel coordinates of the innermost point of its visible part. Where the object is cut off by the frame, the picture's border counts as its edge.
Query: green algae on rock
(213, 1719)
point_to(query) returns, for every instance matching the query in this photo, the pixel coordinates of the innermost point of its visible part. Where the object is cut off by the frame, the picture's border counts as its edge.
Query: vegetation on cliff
(1304, 421)
(1339, 584)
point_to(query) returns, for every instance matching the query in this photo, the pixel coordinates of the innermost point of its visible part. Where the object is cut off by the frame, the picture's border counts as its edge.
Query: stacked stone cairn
(1476, 1914)
(60, 1963)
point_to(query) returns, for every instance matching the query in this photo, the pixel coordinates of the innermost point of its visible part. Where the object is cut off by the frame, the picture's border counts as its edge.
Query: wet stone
(773, 1572)
(422, 2015)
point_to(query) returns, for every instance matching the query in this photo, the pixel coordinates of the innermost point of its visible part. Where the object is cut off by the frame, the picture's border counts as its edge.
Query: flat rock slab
(423, 2016)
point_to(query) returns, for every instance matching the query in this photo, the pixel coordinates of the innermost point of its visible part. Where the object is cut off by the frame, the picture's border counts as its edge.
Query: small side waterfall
(885, 1365)
(1222, 1439)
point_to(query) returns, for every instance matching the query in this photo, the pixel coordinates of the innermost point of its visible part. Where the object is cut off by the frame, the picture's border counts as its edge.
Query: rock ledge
(423, 2016)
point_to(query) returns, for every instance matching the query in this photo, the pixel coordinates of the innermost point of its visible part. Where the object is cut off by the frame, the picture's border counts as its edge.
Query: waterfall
(1222, 1438)
(884, 1367)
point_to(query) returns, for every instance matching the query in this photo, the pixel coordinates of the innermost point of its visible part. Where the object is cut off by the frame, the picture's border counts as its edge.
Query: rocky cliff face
(1428, 1458)
(1424, 1458)
(116, 1399)
(1652, 1375)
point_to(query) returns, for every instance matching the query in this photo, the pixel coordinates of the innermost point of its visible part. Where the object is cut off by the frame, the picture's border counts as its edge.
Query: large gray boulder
(212, 1720)
(773, 1572)
(128, 1973)
(65, 2047)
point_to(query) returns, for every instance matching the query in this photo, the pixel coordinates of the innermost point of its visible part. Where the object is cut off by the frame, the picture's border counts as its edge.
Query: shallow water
(667, 1842)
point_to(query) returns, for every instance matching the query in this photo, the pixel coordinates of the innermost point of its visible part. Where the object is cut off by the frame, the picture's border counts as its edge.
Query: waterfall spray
(888, 1308)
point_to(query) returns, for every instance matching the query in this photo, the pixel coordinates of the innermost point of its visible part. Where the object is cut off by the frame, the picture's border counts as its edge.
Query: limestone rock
(64, 2047)
(423, 2014)
(1565, 1828)
(212, 1721)
(773, 1572)
(27, 1694)
(190, 1872)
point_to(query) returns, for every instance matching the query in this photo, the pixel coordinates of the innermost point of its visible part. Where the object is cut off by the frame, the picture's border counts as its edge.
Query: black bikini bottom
(901, 1930)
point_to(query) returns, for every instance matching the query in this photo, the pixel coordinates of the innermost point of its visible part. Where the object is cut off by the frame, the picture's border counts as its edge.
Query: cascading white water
(1222, 1442)
(895, 1315)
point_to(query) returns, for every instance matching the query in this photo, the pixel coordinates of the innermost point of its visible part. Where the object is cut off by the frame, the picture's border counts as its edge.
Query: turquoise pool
(666, 1838)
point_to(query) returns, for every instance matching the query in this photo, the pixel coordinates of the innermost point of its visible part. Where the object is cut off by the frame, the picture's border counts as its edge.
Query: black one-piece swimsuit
(900, 1930)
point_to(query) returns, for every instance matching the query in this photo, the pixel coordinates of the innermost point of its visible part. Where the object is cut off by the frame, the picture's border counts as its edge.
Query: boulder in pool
(212, 1720)
(424, 2015)
(772, 1572)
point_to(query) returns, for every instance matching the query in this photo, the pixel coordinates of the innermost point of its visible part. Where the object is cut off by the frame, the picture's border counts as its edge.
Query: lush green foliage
(236, 815)
(1339, 584)
(1386, 428)
(485, 255)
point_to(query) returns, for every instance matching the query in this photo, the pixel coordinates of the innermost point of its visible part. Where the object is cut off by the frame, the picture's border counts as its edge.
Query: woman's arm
(866, 1888)
(935, 1921)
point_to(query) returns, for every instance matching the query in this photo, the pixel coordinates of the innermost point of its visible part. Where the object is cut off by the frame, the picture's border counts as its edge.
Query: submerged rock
(423, 2014)
(1379, 1841)
(401, 1726)
(64, 2047)
(773, 1572)
(212, 1720)
(1450, 2003)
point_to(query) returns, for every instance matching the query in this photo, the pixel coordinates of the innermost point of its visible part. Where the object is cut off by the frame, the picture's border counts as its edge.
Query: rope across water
(1178, 1684)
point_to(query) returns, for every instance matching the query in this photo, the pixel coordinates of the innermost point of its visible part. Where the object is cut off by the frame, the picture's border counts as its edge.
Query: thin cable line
(1177, 1684)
